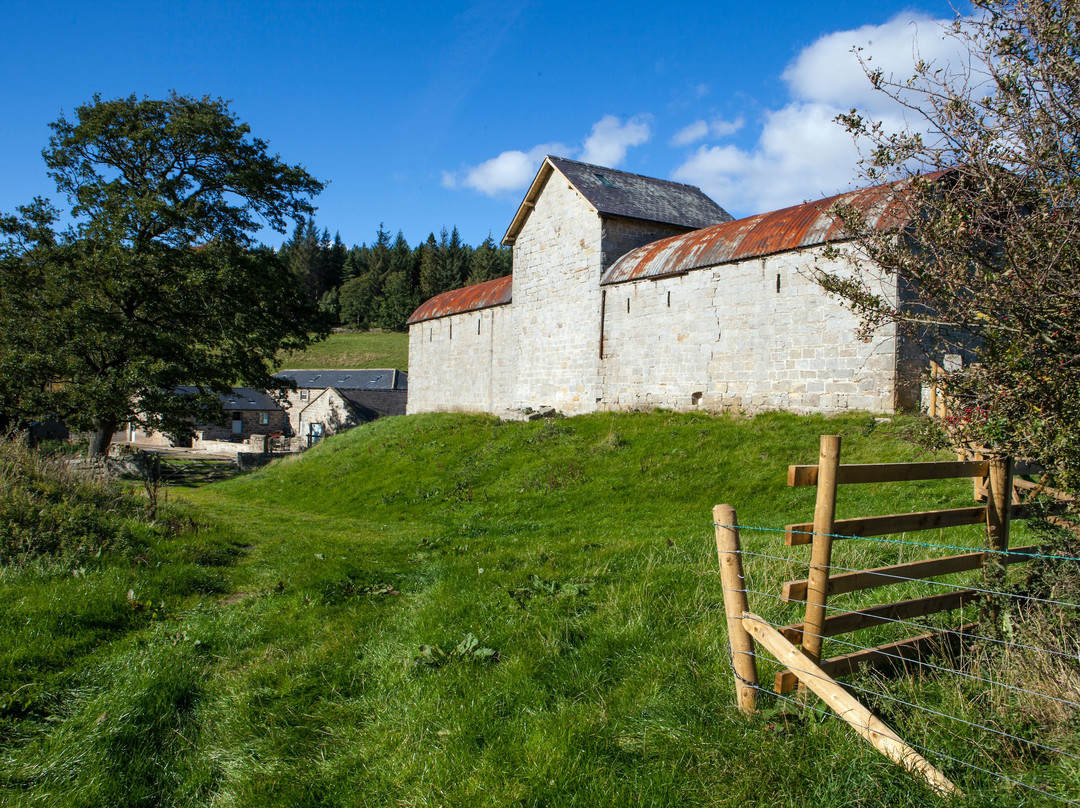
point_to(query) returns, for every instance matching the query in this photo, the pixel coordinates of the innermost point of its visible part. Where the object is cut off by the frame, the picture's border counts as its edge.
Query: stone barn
(629, 292)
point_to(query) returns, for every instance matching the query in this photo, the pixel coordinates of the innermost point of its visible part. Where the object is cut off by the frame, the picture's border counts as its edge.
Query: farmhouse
(323, 403)
(629, 292)
(248, 412)
(328, 401)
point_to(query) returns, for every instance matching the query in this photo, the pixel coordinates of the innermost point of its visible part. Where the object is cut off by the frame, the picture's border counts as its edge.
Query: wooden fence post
(998, 515)
(735, 603)
(931, 410)
(999, 503)
(817, 590)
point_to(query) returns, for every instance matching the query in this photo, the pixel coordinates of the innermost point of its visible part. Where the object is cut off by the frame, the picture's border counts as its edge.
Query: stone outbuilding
(328, 401)
(629, 292)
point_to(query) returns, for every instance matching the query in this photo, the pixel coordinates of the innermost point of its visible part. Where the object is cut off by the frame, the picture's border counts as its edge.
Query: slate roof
(371, 404)
(355, 379)
(630, 196)
(240, 398)
(633, 196)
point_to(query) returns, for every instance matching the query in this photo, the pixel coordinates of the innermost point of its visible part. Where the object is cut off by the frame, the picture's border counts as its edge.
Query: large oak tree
(155, 281)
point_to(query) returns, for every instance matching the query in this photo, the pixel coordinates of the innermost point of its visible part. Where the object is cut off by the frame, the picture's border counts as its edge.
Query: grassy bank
(449, 610)
(354, 349)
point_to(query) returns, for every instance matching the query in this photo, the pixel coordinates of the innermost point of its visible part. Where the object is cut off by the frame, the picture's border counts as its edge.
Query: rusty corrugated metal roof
(793, 228)
(469, 298)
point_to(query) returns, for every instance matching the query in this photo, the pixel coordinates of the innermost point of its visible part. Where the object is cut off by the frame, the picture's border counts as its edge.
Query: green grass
(314, 648)
(354, 349)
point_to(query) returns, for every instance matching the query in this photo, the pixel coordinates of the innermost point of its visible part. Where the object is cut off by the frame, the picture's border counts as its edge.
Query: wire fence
(992, 689)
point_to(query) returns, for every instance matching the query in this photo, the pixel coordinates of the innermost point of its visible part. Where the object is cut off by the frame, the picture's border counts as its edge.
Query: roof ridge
(626, 173)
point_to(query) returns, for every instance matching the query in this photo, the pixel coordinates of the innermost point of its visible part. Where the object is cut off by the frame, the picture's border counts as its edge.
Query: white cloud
(699, 130)
(828, 72)
(691, 134)
(801, 152)
(611, 138)
(511, 171)
(721, 128)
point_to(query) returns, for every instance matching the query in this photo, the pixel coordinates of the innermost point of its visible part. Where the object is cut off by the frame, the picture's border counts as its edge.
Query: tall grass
(451, 610)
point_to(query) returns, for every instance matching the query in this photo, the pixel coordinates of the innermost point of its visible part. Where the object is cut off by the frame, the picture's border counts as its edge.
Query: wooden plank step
(893, 523)
(892, 472)
(885, 613)
(918, 570)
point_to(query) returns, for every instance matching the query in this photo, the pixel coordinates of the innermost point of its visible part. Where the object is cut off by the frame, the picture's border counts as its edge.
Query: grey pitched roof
(353, 379)
(239, 398)
(633, 196)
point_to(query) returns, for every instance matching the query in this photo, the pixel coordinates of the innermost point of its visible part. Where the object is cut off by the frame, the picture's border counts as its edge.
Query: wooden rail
(895, 573)
(995, 482)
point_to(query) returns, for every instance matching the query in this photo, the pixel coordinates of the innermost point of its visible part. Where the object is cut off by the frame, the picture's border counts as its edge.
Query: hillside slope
(450, 610)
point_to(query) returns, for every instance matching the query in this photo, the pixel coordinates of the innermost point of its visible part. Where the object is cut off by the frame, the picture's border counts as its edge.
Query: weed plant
(451, 610)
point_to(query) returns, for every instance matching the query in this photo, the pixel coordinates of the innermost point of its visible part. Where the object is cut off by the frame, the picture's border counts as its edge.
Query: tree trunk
(101, 437)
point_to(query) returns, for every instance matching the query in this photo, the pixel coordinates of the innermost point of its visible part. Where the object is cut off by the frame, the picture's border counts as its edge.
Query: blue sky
(430, 115)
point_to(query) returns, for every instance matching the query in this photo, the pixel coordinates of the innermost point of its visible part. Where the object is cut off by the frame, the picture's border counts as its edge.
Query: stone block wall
(465, 362)
(330, 411)
(278, 422)
(620, 236)
(750, 336)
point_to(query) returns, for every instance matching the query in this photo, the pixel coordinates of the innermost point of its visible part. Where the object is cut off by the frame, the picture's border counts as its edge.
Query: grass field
(450, 610)
(354, 349)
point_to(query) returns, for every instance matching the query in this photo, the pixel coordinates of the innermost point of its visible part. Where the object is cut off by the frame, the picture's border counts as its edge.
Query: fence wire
(928, 582)
(933, 752)
(939, 669)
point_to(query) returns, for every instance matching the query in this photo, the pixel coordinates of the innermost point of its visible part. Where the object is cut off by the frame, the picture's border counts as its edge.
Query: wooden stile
(806, 670)
(864, 722)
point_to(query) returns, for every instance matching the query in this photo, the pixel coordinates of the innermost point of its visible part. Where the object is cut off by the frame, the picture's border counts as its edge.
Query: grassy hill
(450, 610)
(354, 349)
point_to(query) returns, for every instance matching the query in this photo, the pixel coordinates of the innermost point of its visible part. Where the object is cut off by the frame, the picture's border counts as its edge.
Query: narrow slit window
(627, 305)
(477, 325)
(669, 299)
(778, 283)
(451, 330)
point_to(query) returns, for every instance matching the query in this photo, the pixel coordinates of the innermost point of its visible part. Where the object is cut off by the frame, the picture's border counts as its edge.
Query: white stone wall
(556, 302)
(454, 362)
(725, 338)
(329, 410)
(620, 236)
